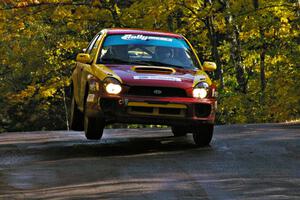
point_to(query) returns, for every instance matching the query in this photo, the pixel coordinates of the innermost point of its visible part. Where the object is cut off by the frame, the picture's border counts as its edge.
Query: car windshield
(147, 50)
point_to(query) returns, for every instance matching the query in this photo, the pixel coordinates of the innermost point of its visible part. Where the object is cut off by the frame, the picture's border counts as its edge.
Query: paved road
(243, 162)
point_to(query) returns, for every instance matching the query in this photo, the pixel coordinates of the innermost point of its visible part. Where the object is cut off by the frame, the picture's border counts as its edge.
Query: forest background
(255, 44)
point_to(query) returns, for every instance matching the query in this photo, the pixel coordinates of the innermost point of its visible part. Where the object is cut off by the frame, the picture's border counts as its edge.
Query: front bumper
(155, 110)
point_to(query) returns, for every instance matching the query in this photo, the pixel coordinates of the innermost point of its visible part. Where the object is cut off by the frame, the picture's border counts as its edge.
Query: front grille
(142, 109)
(169, 111)
(156, 111)
(156, 91)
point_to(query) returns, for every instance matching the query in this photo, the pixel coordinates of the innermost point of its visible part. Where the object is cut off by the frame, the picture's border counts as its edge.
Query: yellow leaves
(117, 9)
(277, 59)
(233, 108)
(47, 92)
(31, 92)
(61, 13)
(96, 3)
(26, 3)
(284, 30)
(23, 95)
(22, 4)
(245, 35)
(284, 20)
(219, 23)
(21, 26)
(39, 43)
(38, 91)
(74, 26)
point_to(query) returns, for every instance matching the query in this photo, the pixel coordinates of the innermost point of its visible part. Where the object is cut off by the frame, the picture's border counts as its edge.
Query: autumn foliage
(255, 44)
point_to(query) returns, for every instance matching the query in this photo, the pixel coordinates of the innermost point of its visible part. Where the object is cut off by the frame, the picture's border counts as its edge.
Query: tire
(203, 134)
(179, 131)
(76, 117)
(93, 127)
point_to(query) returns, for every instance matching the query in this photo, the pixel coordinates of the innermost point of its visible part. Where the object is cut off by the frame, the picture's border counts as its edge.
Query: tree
(255, 44)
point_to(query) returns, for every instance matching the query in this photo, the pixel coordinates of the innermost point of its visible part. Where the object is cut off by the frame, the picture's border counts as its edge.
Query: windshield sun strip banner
(131, 39)
(161, 78)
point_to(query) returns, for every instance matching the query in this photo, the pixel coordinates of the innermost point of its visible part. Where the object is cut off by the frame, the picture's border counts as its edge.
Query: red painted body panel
(142, 32)
(120, 115)
(126, 73)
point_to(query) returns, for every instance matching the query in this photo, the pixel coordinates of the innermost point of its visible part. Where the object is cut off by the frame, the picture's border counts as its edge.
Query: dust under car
(142, 77)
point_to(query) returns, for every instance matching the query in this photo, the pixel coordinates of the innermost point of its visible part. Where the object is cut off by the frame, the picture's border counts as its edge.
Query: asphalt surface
(243, 162)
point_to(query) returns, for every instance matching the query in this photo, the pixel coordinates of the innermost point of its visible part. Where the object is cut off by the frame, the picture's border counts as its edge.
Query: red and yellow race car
(142, 77)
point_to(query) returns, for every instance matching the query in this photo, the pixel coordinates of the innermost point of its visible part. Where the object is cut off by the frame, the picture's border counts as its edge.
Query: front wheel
(76, 117)
(93, 126)
(179, 131)
(203, 134)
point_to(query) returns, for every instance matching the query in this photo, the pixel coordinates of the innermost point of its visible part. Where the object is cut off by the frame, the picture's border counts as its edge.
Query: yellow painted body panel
(201, 76)
(101, 72)
(200, 73)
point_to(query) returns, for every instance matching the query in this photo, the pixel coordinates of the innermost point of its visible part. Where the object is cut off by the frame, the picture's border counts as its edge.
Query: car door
(85, 68)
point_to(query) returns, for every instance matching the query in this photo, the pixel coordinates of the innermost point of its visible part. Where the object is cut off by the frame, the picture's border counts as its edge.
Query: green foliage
(40, 39)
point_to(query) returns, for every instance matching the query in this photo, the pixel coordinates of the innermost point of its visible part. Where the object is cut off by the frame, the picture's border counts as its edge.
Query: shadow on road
(115, 147)
(79, 147)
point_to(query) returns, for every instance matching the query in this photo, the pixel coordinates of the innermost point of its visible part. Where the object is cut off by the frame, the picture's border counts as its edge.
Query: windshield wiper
(115, 61)
(121, 61)
(139, 62)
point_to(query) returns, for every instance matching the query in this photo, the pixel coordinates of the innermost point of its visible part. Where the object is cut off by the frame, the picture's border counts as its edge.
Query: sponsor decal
(161, 78)
(145, 37)
(202, 77)
(157, 92)
(91, 98)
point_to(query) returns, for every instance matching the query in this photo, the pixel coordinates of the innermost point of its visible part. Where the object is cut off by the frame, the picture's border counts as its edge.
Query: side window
(90, 47)
(94, 48)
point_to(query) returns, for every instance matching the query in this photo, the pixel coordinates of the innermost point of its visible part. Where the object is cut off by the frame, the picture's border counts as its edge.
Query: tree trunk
(262, 53)
(209, 22)
(262, 64)
(66, 110)
(233, 35)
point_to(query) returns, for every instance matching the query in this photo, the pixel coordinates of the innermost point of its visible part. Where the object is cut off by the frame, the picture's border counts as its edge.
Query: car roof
(118, 31)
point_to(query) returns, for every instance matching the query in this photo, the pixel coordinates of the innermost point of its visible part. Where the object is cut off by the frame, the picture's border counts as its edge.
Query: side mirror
(209, 66)
(83, 58)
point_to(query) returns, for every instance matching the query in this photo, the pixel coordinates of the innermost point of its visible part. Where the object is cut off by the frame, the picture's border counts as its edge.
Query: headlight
(112, 86)
(201, 90)
(199, 93)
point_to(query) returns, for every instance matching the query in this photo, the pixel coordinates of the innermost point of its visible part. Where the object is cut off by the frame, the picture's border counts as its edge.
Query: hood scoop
(154, 70)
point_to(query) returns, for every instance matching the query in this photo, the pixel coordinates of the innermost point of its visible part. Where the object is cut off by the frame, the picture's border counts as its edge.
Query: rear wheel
(179, 131)
(93, 127)
(203, 134)
(76, 116)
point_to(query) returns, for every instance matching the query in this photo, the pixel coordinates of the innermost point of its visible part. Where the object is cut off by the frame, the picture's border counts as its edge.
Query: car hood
(157, 76)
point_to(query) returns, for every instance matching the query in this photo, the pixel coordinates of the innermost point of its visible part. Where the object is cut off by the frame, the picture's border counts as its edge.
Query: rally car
(142, 77)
